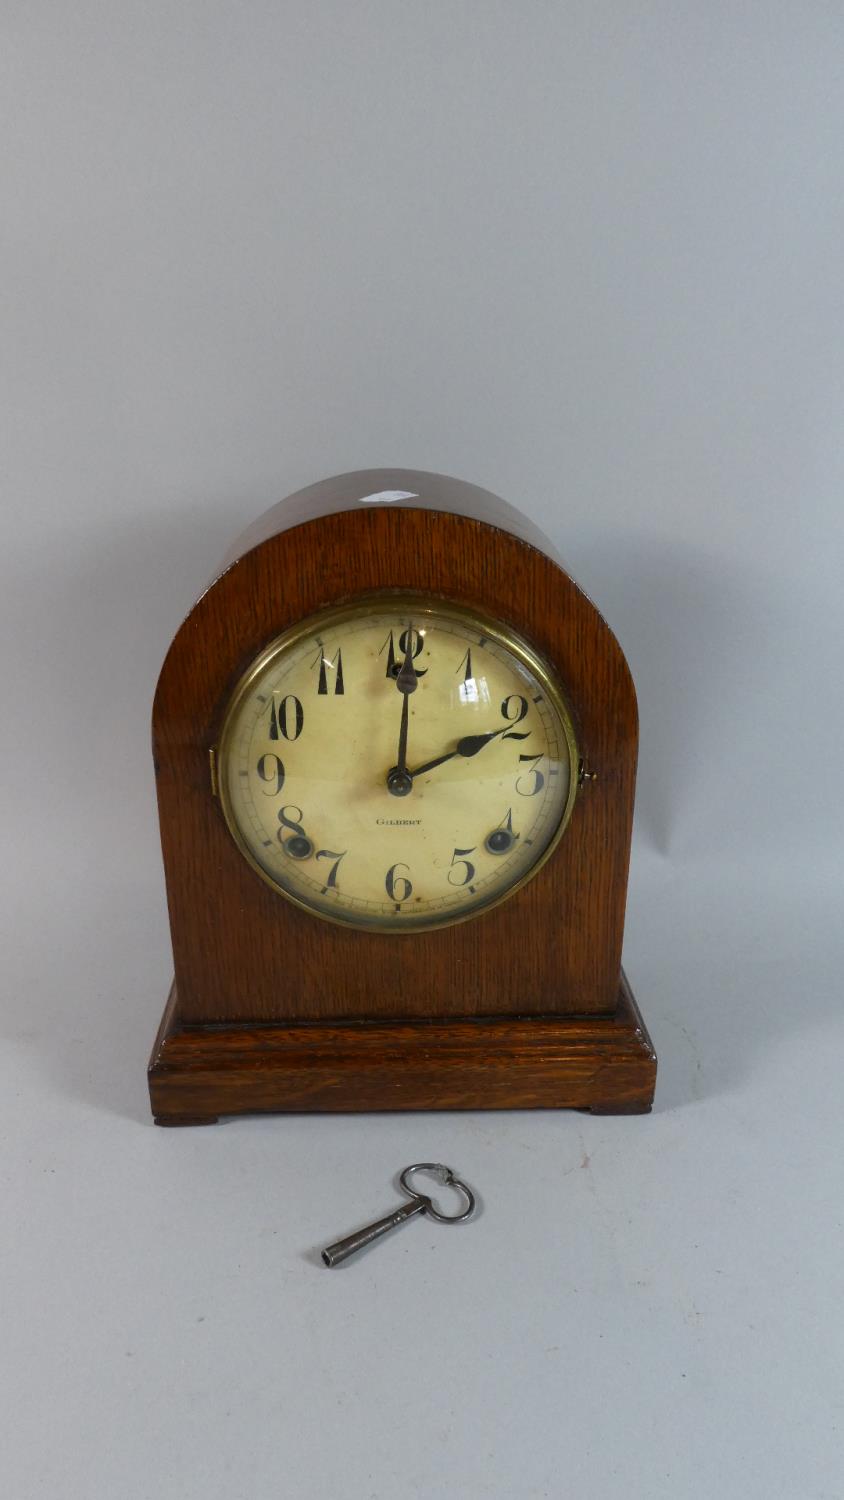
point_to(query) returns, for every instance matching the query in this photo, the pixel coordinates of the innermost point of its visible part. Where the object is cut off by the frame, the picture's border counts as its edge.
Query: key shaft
(334, 1254)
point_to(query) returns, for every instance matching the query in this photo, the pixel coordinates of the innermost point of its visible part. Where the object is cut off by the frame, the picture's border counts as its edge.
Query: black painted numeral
(394, 661)
(468, 674)
(535, 786)
(331, 883)
(287, 718)
(271, 769)
(459, 859)
(513, 709)
(336, 664)
(501, 838)
(398, 886)
(293, 825)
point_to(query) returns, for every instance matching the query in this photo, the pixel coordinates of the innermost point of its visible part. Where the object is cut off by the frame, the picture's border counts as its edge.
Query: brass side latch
(584, 775)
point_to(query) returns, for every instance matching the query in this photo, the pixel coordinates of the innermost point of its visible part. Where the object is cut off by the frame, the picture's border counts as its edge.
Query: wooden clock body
(273, 1009)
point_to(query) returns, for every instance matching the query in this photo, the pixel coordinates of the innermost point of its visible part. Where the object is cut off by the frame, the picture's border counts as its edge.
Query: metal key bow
(419, 1204)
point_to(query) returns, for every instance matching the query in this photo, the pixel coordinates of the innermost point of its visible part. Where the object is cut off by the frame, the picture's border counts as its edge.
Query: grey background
(588, 256)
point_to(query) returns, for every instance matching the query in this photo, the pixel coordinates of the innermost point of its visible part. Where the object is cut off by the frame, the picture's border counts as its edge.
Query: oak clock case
(395, 753)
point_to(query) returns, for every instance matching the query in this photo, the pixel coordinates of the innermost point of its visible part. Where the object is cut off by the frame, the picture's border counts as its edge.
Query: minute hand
(467, 747)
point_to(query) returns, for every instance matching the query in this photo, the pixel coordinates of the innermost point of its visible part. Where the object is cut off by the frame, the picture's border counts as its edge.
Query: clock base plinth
(605, 1064)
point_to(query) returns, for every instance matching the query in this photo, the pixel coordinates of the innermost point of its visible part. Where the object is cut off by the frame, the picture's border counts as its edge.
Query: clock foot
(602, 1063)
(619, 1109)
(186, 1119)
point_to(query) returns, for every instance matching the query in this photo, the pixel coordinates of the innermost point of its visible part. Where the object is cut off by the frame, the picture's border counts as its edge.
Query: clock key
(335, 1254)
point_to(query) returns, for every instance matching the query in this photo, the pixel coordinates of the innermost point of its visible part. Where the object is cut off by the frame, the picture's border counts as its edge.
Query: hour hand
(467, 747)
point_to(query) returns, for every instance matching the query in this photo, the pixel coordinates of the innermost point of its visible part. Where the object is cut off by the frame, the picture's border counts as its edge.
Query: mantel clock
(395, 750)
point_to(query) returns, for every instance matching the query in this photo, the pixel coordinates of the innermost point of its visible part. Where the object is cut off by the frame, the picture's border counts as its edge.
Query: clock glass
(397, 764)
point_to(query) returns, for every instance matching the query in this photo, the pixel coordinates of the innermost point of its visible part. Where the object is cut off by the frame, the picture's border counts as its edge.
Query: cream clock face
(397, 764)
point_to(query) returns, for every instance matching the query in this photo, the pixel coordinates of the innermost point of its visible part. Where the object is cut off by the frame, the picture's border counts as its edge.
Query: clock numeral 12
(394, 662)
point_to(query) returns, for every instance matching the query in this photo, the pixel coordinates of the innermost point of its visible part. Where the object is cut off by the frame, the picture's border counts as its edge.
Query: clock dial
(397, 764)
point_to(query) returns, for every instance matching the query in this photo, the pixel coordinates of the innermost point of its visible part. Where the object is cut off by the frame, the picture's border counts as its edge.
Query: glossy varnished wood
(244, 956)
(602, 1063)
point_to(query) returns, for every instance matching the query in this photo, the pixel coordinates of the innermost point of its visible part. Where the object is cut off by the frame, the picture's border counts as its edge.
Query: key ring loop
(448, 1179)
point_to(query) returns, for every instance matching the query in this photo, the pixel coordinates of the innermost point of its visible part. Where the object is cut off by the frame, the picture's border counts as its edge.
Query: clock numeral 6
(398, 887)
(271, 768)
(538, 781)
(457, 859)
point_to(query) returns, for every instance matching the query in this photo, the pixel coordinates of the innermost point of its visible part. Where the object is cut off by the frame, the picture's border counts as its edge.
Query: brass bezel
(421, 604)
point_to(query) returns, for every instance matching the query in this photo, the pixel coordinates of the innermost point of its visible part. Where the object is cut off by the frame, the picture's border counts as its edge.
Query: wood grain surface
(243, 953)
(601, 1063)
